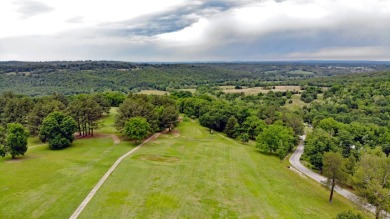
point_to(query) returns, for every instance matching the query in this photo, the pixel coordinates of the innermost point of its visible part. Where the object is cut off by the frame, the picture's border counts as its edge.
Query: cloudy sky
(194, 30)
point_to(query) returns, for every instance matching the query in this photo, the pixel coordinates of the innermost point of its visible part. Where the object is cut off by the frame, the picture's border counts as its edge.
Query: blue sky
(183, 30)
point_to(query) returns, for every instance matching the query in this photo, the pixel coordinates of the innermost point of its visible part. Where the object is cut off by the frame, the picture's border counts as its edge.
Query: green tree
(349, 215)
(210, 121)
(372, 181)
(244, 137)
(316, 144)
(334, 170)
(41, 109)
(58, 129)
(15, 109)
(2, 141)
(86, 112)
(330, 125)
(295, 122)
(253, 126)
(231, 127)
(276, 138)
(16, 140)
(169, 117)
(137, 128)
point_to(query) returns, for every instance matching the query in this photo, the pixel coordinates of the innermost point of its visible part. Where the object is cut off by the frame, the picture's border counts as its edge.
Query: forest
(42, 78)
(344, 111)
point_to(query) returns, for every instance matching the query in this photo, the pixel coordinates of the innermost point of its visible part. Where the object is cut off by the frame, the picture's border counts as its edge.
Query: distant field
(256, 90)
(193, 174)
(300, 72)
(296, 104)
(192, 90)
(155, 92)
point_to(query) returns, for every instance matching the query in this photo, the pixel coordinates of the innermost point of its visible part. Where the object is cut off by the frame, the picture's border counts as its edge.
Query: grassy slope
(51, 184)
(198, 175)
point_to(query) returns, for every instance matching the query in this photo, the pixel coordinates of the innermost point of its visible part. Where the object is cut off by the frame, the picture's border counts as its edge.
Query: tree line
(53, 118)
(260, 118)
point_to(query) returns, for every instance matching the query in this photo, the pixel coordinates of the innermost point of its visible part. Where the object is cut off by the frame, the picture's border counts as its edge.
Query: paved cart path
(108, 173)
(296, 163)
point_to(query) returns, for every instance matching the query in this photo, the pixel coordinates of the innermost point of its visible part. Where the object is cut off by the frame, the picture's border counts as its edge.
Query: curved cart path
(295, 162)
(108, 173)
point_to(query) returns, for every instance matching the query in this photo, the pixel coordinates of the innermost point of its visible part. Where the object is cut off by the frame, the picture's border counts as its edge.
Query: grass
(192, 90)
(296, 104)
(107, 124)
(155, 92)
(256, 90)
(51, 184)
(301, 72)
(193, 174)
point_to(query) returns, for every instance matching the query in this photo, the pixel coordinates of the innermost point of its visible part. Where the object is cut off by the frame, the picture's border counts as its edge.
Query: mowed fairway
(193, 174)
(51, 184)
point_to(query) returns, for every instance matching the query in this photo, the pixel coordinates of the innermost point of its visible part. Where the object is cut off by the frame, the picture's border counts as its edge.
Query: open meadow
(193, 174)
(188, 173)
(256, 90)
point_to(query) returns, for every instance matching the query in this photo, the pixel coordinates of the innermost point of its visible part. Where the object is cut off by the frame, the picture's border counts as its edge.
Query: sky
(196, 30)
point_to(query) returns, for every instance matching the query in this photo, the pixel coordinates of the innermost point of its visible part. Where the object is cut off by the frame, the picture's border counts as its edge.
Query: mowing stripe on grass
(108, 173)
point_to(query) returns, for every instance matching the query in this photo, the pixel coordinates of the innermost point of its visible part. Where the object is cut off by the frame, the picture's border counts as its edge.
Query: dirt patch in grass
(175, 132)
(115, 138)
(19, 159)
(157, 158)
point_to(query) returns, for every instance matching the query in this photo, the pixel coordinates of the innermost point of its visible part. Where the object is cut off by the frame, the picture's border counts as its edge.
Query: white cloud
(208, 30)
(345, 53)
(93, 12)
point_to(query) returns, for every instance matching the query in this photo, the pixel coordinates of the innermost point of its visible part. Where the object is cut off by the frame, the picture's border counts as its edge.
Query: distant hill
(40, 78)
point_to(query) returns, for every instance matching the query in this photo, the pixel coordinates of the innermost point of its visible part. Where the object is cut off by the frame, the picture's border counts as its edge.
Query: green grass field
(155, 92)
(193, 174)
(107, 124)
(296, 104)
(186, 174)
(256, 90)
(51, 184)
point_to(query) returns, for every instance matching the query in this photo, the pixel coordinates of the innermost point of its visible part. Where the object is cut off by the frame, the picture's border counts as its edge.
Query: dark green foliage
(294, 121)
(86, 111)
(168, 117)
(334, 170)
(309, 94)
(41, 109)
(349, 215)
(181, 94)
(372, 181)
(3, 141)
(210, 121)
(317, 143)
(355, 98)
(159, 111)
(231, 127)
(136, 128)
(244, 137)
(253, 126)
(114, 98)
(16, 139)
(88, 76)
(276, 138)
(14, 109)
(58, 129)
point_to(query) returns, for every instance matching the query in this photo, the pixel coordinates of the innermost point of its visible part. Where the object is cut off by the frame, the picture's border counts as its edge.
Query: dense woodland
(42, 78)
(348, 128)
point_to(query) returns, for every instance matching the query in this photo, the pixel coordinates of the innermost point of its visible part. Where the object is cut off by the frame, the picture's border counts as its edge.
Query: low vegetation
(192, 173)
